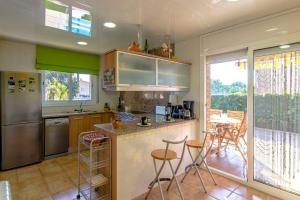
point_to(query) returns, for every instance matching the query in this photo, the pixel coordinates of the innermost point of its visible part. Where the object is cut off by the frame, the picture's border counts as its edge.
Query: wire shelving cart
(94, 166)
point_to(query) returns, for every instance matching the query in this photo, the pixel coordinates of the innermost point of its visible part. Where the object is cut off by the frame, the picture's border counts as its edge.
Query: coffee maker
(188, 109)
(177, 111)
(168, 112)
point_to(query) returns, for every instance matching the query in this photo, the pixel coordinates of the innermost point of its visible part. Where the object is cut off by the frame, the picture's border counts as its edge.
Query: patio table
(224, 119)
(222, 124)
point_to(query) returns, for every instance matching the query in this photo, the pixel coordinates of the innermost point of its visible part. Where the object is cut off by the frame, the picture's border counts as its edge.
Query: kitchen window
(61, 88)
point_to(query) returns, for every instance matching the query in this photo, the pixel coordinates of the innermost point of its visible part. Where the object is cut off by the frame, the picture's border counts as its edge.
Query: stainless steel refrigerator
(21, 119)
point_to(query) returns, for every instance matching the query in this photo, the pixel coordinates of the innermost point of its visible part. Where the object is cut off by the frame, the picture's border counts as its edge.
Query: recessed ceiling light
(109, 25)
(82, 43)
(286, 46)
(272, 29)
(232, 0)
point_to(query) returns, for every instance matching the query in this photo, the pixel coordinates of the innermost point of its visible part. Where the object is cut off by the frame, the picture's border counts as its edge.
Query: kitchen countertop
(157, 121)
(71, 113)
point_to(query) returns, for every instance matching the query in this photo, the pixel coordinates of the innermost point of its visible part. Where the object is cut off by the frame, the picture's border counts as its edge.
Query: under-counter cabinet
(83, 123)
(131, 71)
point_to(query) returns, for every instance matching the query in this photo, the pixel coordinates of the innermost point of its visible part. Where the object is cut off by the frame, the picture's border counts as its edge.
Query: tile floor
(229, 161)
(53, 179)
(56, 179)
(224, 190)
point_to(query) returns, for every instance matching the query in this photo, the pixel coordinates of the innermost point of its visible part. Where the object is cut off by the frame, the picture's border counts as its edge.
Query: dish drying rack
(94, 166)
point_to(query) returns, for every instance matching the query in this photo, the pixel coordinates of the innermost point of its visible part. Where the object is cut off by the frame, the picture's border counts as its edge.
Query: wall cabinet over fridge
(133, 71)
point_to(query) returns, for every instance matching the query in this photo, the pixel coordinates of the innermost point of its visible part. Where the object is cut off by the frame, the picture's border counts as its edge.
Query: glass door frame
(268, 189)
(249, 181)
(207, 107)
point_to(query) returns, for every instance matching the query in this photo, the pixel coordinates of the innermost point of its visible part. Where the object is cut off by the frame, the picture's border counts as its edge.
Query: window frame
(70, 19)
(70, 102)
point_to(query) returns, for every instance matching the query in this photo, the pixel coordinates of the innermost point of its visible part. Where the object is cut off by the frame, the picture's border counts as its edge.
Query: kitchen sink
(81, 111)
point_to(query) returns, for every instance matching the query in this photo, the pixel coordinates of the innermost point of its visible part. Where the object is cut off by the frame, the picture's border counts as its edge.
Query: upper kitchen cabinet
(173, 74)
(136, 70)
(133, 71)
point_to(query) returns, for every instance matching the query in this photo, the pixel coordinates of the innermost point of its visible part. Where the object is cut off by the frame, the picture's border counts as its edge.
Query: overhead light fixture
(82, 43)
(272, 29)
(109, 25)
(286, 46)
(232, 0)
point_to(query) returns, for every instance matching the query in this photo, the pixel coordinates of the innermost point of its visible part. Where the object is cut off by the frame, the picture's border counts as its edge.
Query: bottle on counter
(119, 108)
(106, 107)
(146, 46)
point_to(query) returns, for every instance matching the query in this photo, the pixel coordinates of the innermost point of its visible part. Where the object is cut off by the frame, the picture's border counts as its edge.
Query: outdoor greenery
(228, 97)
(232, 102)
(60, 86)
(280, 112)
(218, 88)
(87, 17)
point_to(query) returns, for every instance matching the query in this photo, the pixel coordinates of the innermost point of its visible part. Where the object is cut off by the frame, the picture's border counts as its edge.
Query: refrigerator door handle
(29, 122)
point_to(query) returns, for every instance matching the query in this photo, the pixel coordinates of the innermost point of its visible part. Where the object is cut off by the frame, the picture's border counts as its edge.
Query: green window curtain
(53, 59)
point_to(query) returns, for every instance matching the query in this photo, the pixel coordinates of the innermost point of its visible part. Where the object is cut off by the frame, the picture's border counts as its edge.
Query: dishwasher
(56, 136)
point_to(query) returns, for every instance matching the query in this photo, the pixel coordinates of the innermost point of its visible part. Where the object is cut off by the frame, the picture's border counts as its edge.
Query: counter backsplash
(144, 101)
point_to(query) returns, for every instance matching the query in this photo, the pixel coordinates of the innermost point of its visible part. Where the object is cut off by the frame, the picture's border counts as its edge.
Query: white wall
(20, 56)
(17, 56)
(190, 51)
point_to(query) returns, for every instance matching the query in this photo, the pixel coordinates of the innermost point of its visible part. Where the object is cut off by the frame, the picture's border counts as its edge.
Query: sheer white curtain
(277, 117)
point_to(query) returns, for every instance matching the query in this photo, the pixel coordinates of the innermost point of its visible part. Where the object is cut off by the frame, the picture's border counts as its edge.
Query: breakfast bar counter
(156, 121)
(132, 164)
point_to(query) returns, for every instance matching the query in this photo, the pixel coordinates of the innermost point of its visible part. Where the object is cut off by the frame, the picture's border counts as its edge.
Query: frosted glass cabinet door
(173, 74)
(136, 70)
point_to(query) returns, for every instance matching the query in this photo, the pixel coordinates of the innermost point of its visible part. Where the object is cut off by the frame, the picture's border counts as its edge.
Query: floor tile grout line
(60, 163)
(46, 184)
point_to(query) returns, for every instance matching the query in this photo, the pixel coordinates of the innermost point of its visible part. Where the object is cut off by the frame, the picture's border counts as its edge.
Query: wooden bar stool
(199, 159)
(166, 155)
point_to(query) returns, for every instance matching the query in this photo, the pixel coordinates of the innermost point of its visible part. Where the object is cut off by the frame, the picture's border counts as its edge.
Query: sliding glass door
(226, 111)
(277, 117)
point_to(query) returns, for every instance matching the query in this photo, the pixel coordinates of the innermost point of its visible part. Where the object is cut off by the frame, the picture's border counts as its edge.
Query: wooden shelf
(150, 56)
(135, 70)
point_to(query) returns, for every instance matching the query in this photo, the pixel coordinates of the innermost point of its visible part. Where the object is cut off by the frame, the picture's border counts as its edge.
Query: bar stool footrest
(160, 179)
(189, 166)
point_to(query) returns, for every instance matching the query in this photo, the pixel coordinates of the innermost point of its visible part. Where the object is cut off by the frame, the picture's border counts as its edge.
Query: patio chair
(235, 114)
(213, 112)
(234, 135)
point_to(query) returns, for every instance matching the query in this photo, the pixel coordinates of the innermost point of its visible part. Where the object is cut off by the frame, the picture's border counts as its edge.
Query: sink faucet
(80, 108)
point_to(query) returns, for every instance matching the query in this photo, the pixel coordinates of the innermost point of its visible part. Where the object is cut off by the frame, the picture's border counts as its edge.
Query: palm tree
(57, 90)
